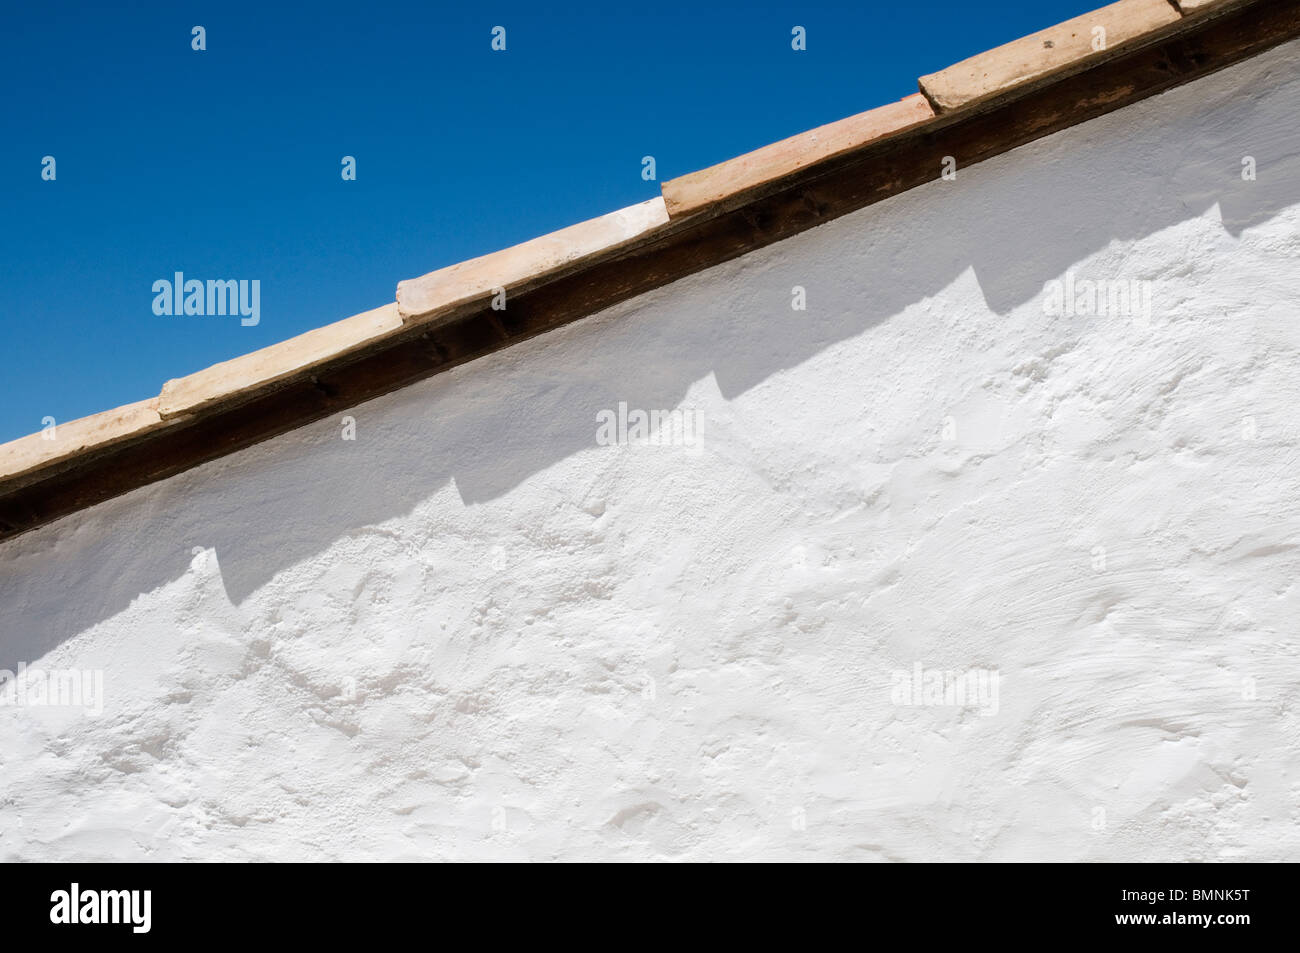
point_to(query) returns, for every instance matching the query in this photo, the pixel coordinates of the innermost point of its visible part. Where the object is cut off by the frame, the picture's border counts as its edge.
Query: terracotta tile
(250, 372)
(77, 436)
(748, 174)
(1058, 50)
(430, 296)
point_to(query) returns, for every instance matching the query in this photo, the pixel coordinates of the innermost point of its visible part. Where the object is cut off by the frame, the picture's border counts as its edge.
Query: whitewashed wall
(474, 633)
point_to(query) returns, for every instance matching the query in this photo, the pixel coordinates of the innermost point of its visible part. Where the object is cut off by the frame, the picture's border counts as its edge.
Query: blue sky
(226, 163)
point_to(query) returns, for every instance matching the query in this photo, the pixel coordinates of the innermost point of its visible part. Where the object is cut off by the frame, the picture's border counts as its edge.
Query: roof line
(973, 110)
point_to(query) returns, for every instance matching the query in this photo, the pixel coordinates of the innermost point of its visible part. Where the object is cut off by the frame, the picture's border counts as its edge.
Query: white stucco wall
(473, 633)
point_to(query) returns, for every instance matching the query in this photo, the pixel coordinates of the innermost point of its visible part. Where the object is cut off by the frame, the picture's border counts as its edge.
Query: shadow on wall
(1018, 221)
